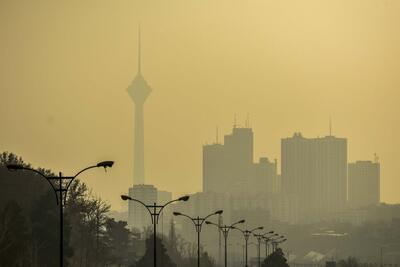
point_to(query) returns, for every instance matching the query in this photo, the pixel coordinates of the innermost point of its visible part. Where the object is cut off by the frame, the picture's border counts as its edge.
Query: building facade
(314, 172)
(138, 216)
(364, 184)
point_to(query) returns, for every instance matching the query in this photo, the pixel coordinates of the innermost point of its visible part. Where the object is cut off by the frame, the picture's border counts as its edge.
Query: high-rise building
(364, 184)
(265, 176)
(239, 156)
(214, 168)
(227, 167)
(330, 175)
(229, 170)
(298, 181)
(314, 172)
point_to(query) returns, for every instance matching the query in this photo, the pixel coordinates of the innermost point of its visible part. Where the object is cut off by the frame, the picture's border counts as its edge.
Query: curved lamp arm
(257, 228)
(184, 198)
(125, 197)
(270, 232)
(238, 222)
(193, 219)
(211, 223)
(16, 167)
(280, 239)
(274, 237)
(236, 228)
(218, 212)
(104, 164)
(184, 215)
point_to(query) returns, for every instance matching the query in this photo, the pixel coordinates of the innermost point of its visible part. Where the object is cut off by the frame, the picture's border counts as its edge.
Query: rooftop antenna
(247, 121)
(139, 51)
(376, 158)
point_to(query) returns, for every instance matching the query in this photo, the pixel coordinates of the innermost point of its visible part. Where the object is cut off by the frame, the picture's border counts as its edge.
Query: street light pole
(155, 211)
(61, 208)
(246, 233)
(198, 223)
(60, 185)
(267, 239)
(220, 222)
(259, 238)
(225, 231)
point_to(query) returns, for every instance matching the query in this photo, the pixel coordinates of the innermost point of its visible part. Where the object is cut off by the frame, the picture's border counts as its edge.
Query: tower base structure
(138, 217)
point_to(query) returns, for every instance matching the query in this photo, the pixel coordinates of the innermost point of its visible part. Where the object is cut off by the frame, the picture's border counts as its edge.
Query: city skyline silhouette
(269, 139)
(203, 75)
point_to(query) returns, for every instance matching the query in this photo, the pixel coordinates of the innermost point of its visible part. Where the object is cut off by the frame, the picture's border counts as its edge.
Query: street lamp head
(14, 167)
(125, 197)
(282, 236)
(270, 232)
(184, 198)
(260, 228)
(105, 164)
(276, 234)
(219, 212)
(241, 221)
(207, 222)
(176, 213)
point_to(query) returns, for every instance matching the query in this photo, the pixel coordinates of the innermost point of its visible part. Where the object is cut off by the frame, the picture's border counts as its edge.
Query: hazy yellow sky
(290, 64)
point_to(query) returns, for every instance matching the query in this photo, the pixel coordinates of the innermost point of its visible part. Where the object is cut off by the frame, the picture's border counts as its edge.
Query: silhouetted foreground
(29, 224)
(162, 257)
(275, 259)
(29, 232)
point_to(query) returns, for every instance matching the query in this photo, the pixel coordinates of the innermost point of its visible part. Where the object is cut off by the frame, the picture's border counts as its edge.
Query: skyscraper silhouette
(227, 167)
(139, 90)
(314, 171)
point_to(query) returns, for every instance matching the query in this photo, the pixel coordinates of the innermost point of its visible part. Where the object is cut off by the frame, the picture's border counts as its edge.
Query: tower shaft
(138, 166)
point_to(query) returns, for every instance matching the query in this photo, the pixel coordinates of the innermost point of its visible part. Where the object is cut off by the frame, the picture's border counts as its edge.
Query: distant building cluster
(315, 183)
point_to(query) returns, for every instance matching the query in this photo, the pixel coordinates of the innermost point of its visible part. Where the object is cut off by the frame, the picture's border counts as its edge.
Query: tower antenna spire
(139, 51)
(330, 126)
(248, 120)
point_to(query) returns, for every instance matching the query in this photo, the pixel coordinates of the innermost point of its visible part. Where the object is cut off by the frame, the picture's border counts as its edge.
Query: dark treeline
(29, 228)
(275, 259)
